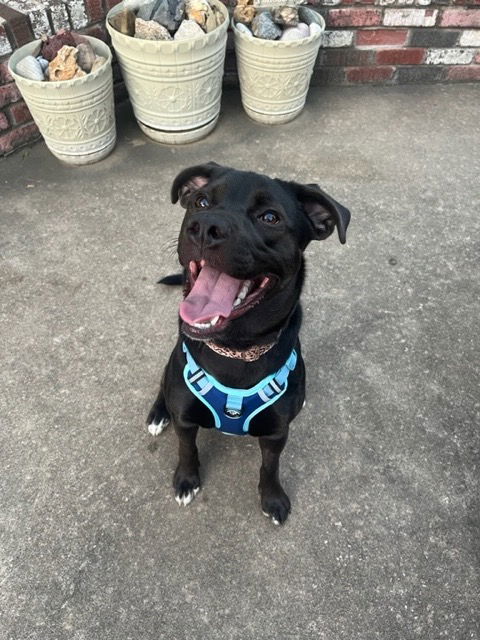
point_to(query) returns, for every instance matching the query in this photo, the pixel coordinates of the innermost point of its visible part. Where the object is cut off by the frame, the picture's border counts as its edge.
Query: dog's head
(241, 244)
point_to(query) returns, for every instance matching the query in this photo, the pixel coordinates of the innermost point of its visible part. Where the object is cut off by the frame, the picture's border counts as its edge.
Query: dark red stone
(52, 45)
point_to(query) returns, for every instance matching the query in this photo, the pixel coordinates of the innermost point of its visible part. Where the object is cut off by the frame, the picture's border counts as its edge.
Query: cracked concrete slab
(381, 466)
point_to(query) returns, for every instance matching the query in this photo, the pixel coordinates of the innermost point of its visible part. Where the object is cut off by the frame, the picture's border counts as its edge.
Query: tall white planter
(175, 87)
(75, 117)
(275, 75)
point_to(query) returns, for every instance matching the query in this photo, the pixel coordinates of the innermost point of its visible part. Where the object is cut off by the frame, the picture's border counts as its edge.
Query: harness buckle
(232, 413)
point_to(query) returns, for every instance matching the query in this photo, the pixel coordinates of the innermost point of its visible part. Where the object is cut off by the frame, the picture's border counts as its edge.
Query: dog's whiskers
(170, 246)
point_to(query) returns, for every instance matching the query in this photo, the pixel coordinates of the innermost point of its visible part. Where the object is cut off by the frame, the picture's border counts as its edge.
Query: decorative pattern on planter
(76, 125)
(76, 117)
(264, 85)
(275, 75)
(174, 86)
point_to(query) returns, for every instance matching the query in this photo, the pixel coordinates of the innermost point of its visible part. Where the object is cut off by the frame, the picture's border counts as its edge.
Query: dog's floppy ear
(323, 211)
(191, 179)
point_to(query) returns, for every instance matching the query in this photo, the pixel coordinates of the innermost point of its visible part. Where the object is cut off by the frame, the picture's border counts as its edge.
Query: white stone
(43, 63)
(29, 67)
(337, 38)
(244, 29)
(470, 38)
(409, 18)
(449, 56)
(295, 33)
(187, 30)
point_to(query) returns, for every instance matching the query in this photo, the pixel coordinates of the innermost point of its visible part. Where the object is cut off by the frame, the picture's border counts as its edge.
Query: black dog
(241, 246)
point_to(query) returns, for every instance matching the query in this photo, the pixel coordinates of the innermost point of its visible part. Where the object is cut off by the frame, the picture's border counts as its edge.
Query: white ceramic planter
(174, 86)
(275, 75)
(76, 117)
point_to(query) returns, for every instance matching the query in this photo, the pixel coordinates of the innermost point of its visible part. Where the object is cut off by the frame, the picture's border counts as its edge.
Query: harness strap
(234, 403)
(228, 404)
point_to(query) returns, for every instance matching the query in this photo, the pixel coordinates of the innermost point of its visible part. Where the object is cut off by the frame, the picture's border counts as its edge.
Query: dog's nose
(207, 233)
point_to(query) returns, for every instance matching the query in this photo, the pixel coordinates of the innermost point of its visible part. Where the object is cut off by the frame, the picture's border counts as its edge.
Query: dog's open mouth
(213, 298)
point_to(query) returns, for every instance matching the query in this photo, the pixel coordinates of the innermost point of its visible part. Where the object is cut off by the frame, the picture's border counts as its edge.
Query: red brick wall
(399, 41)
(366, 42)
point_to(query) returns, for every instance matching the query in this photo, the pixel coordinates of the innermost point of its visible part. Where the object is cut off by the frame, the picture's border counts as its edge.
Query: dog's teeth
(264, 283)
(237, 302)
(202, 263)
(206, 325)
(244, 289)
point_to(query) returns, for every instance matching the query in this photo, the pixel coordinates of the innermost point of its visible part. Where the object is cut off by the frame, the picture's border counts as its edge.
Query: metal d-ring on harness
(233, 409)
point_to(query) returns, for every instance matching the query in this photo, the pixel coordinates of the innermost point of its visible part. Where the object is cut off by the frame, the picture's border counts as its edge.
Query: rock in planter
(85, 56)
(174, 87)
(43, 63)
(200, 12)
(51, 46)
(145, 10)
(168, 13)
(219, 17)
(210, 20)
(296, 33)
(244, 29)
(275, 75)
(99, 62)
(314, 28)
(287, 16)
(75, 117)
(264, 27)
(64, 66)
(150, 30)
(124, 21)
(29, 67)
(244, 12)
(188, 29)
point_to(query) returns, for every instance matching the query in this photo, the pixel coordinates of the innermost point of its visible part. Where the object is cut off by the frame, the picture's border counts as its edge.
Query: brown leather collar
(249, 355)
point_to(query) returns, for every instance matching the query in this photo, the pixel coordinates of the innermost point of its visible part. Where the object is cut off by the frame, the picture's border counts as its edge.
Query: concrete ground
(381, 466)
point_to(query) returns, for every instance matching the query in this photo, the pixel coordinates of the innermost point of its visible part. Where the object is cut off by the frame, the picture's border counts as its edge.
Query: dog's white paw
(272, 518)
(186, 498)
(156, 429)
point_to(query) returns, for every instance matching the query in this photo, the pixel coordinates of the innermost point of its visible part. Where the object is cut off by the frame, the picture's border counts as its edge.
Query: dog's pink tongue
(212, 295)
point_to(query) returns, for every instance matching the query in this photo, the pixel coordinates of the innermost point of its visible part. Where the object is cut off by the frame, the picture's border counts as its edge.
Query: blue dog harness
(233, 409)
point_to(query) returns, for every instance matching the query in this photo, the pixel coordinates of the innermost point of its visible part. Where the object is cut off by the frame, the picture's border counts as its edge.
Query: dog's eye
(269, 217)
(202, 202)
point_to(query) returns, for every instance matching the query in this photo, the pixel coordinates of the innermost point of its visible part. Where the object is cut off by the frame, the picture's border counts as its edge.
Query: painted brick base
(366, 42)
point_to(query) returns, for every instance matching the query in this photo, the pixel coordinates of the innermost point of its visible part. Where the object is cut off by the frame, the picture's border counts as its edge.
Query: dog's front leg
(275, 502)
(158, 417)
(186, 480)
